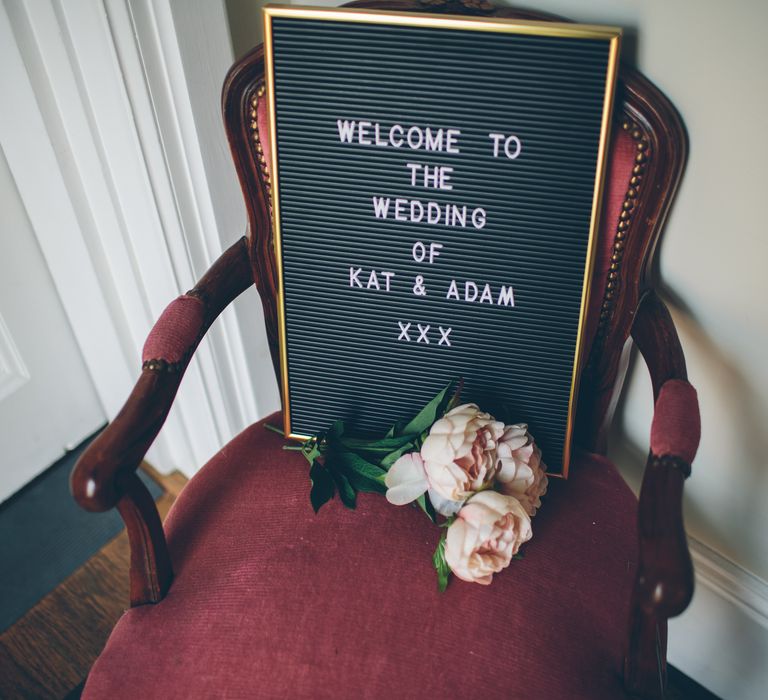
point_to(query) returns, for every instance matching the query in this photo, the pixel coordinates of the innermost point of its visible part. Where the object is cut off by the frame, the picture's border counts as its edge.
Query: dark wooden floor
(48, 652)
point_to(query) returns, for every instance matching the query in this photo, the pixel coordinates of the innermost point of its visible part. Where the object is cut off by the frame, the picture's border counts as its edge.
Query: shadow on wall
(245, 20)
(245, 24)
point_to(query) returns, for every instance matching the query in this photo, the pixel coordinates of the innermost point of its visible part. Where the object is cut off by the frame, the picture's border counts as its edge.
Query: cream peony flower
(406, 479)
(460, 452)
(521, 473)
(486, 534)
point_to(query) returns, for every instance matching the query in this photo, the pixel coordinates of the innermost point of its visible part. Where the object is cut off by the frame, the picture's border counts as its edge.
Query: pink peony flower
(521, 473)
(460, 452)
(457, 459)
(486, 534)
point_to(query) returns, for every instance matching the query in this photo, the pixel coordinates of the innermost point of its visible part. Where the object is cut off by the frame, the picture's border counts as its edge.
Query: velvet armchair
(245, 592)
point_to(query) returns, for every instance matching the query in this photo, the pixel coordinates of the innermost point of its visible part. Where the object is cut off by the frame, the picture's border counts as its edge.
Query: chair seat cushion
(271, 600)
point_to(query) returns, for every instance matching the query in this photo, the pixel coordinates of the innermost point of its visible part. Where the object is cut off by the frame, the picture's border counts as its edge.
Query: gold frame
(448, 22)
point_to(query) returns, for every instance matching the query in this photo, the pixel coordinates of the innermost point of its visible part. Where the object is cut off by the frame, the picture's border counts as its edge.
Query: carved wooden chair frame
(105, 477)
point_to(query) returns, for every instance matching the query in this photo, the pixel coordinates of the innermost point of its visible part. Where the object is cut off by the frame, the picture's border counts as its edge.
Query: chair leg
(151, 572)
(645, 665)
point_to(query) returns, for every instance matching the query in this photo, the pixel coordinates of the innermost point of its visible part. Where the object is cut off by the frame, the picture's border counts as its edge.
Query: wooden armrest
(104, 476)
(664, 558)
(664, 584)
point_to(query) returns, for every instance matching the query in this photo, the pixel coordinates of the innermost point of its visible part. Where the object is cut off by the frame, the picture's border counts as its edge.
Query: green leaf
(519, 556)
(363, 475)
(426, 505)
(376, 448)
(347, 494)
(392, 457)
(456, 397)
(441, 566)
(431, 412)
(396, 429)
(322, 486)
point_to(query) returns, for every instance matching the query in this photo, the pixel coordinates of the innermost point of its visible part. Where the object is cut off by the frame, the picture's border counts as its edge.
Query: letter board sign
(436, 184)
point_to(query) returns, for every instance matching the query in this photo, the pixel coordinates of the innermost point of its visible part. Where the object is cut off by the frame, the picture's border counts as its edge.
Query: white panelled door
(47, 400)
(112, 137)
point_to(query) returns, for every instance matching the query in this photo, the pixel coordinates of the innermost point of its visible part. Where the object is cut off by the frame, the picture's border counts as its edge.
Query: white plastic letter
(346, 130)
(434, 141)
(377, 135)
(399, 141)
(399, 204)
(381, 207)
(414, 167)
(362, 133)
(506, 297)
(517, 147)
(452, 140)
(433, 213)
(497, 139)
(445, 176)
(419, 133)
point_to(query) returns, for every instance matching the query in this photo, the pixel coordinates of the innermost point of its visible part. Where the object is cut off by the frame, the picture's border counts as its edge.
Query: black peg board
(345, 354)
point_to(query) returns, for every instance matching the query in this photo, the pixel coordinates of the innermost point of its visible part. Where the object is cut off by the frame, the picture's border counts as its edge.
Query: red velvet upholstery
(271, 600)
(176, 331)
(621, 160)
(262, 124)
(676, 427)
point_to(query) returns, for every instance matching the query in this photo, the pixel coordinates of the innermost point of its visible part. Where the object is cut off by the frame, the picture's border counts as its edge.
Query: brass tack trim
(671, 462)
(642, 155)
(258, 93)
(162, 366)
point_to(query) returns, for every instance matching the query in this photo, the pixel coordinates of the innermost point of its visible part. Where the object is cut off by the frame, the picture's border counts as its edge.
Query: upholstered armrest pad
(177, 331)
(676, 427)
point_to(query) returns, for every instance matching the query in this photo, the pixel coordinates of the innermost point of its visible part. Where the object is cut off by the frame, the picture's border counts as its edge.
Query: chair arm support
(666, 573)
(655, 335)
(100, 477)
(664, 583)
(105, 475)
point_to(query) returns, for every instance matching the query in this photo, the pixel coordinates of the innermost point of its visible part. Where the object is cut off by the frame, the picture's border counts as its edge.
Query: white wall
(710, 58)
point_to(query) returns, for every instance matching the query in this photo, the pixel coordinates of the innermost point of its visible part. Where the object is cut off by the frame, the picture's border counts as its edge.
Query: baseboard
(722, 639)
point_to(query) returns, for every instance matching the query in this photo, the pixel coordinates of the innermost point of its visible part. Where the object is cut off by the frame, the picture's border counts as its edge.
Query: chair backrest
(646, 160)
